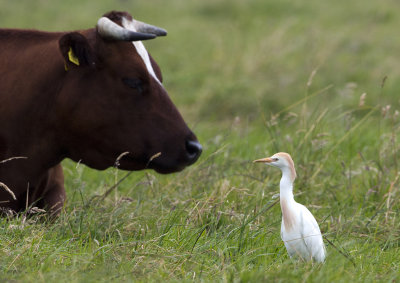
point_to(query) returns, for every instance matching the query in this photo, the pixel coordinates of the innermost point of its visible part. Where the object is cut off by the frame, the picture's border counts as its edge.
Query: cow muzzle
(164, 164)
(193, 151)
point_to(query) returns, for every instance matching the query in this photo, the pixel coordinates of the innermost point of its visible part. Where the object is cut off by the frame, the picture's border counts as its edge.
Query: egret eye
(275, 159)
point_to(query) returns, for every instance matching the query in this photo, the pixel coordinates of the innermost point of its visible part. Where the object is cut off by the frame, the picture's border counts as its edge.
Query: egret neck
(287, 199)
(286, 184)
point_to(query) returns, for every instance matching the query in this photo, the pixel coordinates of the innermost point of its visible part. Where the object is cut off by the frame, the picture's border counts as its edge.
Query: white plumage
(299, 230)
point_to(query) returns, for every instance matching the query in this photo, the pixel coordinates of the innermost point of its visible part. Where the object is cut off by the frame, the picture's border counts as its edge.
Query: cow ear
(76, 50)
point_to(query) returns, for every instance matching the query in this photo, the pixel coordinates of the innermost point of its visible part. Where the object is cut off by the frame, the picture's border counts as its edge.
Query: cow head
(113, 101)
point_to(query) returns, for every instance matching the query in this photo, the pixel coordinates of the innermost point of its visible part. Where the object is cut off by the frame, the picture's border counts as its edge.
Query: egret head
(282, 160)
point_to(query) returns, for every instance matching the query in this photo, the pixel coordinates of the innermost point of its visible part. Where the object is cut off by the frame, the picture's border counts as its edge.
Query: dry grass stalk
(103, 196)
(362, 99)
(153, 157)
(117, 164)
(310, 79)
(4, 186)
(13, 158)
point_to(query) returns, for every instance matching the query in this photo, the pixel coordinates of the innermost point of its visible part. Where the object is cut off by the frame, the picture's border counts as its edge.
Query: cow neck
(140, 49)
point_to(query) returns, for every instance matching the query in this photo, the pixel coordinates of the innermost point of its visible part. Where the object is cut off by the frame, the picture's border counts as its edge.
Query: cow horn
(146, 28)
(110, 30)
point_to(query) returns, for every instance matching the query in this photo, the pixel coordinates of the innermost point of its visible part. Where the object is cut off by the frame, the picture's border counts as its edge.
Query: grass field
(318, 79)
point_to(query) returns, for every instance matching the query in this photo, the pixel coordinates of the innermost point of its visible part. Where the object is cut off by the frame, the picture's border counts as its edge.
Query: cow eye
(134, 83)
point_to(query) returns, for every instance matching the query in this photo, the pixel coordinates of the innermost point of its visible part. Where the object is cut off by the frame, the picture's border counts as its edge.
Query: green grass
(251, 78)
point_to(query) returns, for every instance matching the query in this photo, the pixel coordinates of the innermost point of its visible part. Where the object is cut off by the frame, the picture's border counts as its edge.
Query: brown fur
(86, 113)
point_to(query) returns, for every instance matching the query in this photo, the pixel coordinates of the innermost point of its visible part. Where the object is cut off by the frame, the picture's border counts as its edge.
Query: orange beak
(263, 160)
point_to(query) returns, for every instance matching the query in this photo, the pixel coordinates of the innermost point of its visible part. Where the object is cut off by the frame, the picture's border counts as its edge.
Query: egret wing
(312, 235)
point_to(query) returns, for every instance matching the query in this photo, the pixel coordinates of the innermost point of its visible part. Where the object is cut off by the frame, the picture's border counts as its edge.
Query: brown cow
(87, 95)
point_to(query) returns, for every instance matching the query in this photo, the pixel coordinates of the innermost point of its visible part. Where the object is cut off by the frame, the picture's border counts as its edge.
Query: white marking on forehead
(141, 50)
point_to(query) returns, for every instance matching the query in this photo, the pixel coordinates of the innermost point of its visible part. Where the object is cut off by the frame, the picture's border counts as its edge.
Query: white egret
(299, 230)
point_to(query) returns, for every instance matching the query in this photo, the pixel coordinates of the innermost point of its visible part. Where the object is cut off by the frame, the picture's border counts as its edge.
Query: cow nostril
(193, 150)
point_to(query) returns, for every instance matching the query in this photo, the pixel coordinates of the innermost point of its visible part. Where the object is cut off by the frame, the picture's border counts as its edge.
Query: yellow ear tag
(72, 57)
